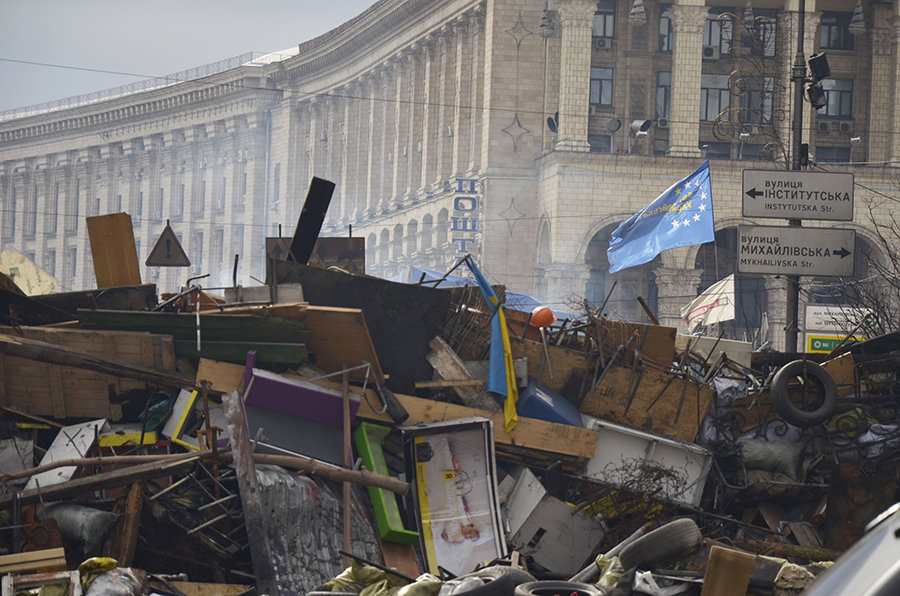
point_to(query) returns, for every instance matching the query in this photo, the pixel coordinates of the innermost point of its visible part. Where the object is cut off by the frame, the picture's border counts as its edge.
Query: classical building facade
(519, 131)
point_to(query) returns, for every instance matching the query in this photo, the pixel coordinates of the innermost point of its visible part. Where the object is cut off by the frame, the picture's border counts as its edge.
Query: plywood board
(650, 400)
(64, 391)
(113, 250)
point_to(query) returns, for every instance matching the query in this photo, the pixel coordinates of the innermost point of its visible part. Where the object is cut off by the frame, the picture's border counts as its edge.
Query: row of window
(716, 97)
(756, 37)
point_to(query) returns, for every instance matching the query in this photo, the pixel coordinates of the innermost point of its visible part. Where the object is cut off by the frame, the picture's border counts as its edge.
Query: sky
(52, 49)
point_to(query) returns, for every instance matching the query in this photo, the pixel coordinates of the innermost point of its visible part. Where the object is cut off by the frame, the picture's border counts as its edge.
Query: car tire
(666, 544)
(791, 412)
(501, 580)
(555, 587)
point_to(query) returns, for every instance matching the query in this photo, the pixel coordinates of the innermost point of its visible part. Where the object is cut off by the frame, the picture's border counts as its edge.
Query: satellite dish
(553, 123)
(613, 124)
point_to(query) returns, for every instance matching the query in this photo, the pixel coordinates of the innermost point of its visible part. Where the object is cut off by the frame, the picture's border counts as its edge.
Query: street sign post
(792, 194)
(795, 251)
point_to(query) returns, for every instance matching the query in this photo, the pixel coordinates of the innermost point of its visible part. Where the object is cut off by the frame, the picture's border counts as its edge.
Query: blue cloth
(681, 216)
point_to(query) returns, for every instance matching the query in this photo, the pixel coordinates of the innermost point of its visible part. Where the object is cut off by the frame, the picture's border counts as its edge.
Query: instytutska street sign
(792, 194)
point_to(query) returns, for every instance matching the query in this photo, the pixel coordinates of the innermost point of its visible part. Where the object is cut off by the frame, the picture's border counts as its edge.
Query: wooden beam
(50, 559)
(106, 480)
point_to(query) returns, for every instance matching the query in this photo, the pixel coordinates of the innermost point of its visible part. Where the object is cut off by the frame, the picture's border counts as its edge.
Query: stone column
(880, 144)
(413, 152)
(348, 128)
(677, 287)
(895, 83)
(476, 27)
(446, 120)
(687, 64)
(462, 109)
(378, 157)
(577, 21)
(399, 151)
(430, 109)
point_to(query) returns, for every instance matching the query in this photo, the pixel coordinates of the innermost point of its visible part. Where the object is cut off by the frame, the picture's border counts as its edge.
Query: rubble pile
(349, 441)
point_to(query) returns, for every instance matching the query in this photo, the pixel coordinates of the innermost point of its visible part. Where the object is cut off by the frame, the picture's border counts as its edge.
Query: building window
(665, 29)
(605, 19)
(223, 192)
(717, 150)
(118, 203)
(53, 210)
(601, 87)
(237, 239)
(757, 102)
(9, 222)
(31, 214)
(178, 204)
(218, 255)
(197, 251)
(714, 96)
(139, 208)
(762, 40)
(839, 98)
(158, 210)
(71, 225)
(70, 265)
(717, 34)
(835, 31)
(49, 263)
(833, 154)
(600, 143)
(199, 205)
(663, 93)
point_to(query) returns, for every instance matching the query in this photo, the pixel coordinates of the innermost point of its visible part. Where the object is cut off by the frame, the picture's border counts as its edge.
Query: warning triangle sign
(168, 251)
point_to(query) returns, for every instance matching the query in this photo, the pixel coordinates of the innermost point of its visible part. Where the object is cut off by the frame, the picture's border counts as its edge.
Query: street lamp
(638, 128)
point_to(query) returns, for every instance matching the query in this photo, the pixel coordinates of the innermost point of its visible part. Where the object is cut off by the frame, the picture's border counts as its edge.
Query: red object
(542, 316)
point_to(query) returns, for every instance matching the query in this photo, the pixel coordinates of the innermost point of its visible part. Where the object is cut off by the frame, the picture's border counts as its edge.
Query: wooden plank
(236, 351)
(49, 559)
(651, 401)
(338, 337)
(113, 250)
(184, 325)
(530, 433)
(123, 542)
(450, 366)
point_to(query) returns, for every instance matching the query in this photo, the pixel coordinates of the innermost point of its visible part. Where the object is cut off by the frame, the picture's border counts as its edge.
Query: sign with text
(795, 250)
(791, 194)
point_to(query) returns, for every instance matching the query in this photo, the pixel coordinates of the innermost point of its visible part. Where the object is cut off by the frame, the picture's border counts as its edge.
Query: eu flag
(681, 216)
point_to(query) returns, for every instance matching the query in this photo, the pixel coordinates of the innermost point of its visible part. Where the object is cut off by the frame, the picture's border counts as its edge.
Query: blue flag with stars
(681, 216)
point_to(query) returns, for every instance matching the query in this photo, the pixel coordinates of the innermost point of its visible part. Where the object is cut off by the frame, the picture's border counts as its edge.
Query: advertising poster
(456, 496)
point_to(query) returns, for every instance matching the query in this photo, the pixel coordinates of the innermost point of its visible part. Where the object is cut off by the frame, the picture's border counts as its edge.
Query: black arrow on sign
(753, 193)
(843, 252)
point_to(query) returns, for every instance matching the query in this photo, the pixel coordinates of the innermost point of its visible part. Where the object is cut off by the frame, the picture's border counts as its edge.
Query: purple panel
(300, 399)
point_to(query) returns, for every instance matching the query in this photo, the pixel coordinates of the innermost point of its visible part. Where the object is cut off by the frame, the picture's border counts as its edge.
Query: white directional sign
(791, 194)
(795, 250)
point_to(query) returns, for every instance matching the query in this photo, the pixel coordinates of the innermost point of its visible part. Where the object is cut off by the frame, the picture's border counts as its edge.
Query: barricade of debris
(355, 439)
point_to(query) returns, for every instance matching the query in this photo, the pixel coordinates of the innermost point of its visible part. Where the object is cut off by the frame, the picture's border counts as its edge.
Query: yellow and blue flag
(681, 216)
(501, 373)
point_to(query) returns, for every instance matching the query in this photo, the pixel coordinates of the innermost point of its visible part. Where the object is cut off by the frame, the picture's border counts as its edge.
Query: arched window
(442, 229)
